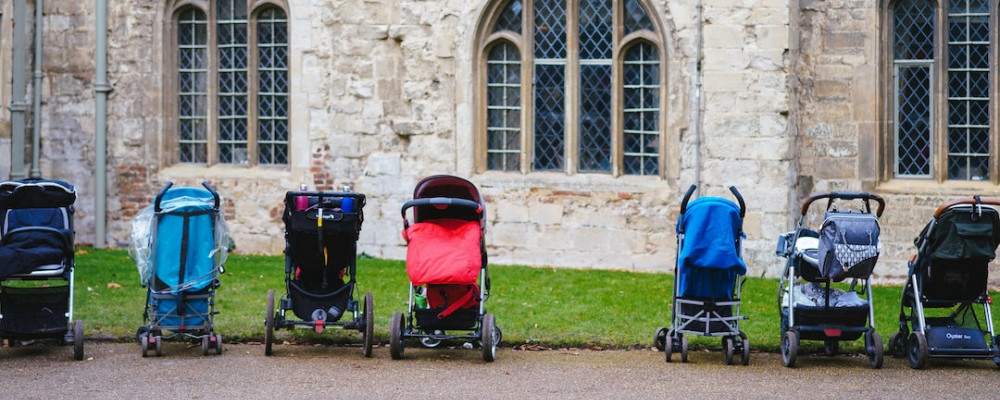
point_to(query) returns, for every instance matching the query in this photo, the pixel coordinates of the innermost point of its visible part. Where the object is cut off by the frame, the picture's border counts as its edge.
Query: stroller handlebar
(439, 201)
(736, 193)
(981, 200)
(845, 196)
(163, 191)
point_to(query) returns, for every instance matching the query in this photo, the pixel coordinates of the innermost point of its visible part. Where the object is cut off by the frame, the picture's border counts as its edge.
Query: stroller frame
(831, 333)
(35, 192)
(916, 345)
(484, 332)
(715, 317)
(361, 318)
(157, 327)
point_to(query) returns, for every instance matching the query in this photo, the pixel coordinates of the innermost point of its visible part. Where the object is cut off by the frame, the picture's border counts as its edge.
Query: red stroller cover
(443, 251)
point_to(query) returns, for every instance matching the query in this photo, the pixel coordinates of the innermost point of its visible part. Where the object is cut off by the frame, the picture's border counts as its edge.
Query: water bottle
(347, 203)
(302, 202)
(419, 301)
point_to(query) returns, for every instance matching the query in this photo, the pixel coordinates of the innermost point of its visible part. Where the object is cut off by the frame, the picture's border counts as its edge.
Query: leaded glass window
(913, 54)
(575, 120)
(968, 90)
(233, 100)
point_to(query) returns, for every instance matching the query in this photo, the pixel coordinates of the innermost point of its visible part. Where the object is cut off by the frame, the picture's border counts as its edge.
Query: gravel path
(114, 370)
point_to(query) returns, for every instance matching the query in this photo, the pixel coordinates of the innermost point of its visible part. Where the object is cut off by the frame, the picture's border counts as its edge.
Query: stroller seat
(441, 242)
(808, 249)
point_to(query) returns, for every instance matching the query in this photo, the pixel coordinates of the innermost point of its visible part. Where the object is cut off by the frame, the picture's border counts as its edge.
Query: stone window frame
(170, 154)
(486, 39)
(939, 102)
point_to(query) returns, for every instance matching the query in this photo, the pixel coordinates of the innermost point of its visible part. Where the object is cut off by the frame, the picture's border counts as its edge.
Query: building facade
(582, 121)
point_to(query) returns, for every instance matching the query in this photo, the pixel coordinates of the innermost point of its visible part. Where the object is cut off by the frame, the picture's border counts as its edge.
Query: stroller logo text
(958, 336)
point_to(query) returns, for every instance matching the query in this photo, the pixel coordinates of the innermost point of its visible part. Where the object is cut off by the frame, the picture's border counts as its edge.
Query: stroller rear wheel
(659, 338)
(218, 344)
(745, 359)
(369, 324)
(489, 338)
(396, 336)
(789, 348)
(158, 345)
(728, 348)
(668, 344)
(144, 343)
(684, 349)
(78, 340)
(269, 323)
(897, 343)
(204, 345)
(916, 349)
(873, 346)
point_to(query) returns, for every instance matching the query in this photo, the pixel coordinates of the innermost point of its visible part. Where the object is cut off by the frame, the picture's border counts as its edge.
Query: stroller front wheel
(897, 344)
(78, 340)
(789, 348)
(659, 338)
(489, 338)
(369, 324)
(917, 350)
(873, 345)
(396, 336)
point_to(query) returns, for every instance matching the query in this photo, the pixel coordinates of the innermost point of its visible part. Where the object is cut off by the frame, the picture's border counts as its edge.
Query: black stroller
(847, 246)
(321, 234)
(707, 284)
(37, 264)
(446, 264)
(180, 246)
(947, 279)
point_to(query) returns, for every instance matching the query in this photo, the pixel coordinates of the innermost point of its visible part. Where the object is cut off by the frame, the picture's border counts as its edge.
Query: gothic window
(571, 86)
(231, 83)
(941, 90)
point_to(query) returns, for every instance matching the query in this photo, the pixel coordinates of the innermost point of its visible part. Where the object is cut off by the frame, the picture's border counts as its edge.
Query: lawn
(545, 307)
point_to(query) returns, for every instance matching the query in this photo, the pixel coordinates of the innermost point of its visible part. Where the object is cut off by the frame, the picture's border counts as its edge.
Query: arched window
(231, 73)
(941, 92)
(571, 86)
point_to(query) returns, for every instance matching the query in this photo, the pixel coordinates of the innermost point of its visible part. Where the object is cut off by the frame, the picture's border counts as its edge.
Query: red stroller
(446, 264)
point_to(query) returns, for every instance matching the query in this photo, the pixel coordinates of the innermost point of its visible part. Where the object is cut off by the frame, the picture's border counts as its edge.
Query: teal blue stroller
(179, 248)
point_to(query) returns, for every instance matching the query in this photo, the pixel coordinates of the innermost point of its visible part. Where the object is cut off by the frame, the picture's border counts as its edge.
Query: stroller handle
(845, 196)
(440, 201)
(981, 200)
(736, 193)
(163, 191)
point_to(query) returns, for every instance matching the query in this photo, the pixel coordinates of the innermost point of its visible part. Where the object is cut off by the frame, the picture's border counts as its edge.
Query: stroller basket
(305, 303)
(33, 312)
(427, 319)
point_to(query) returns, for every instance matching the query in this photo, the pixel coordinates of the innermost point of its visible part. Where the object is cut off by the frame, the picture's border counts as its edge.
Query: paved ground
(114, 370)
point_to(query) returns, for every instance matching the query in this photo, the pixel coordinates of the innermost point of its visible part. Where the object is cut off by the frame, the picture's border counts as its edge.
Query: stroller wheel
(789, 348)
(489, 338)
(144, 343)
(369, 324)
(727, 347)
(831, 347)
(269, 323)
(745, 359)
(897, 344)
(218, 344)
(684, 349)
(204, 345)
(873, 345)
(659, 338)
(396, 336)
(78, 340)
(140, 331)
(668, 344)
(431, 342)
(158, 345)
(916, 349)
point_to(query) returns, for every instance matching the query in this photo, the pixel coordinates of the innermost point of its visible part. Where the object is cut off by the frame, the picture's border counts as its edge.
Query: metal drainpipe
(101, 88)
(17, 104)
(699, 99)
(36, 89)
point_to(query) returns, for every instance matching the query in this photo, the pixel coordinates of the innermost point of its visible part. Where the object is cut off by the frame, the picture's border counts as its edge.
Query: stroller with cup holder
(945, 284)
(447, 268)
(707, 277)
(179, 247)
(846, 246)
(321, 234)
(37, 263)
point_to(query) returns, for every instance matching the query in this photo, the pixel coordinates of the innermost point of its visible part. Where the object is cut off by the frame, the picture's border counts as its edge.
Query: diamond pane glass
(510, 18)
(503, 108)
(641, 113)
(550, 124)
(192, 86)
(232, 93)
(550, 29)
(595, 118)
(913, 127)
(914, 30)
(636, 17)
(272, 81)
(968, 90)
(595, 29)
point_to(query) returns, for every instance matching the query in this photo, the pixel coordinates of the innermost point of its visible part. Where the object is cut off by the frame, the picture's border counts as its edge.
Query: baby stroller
(321, 234)
(37, 264)
(708, 267)
(847, 246)
(180, 246)
(446, 264)
(947, 279)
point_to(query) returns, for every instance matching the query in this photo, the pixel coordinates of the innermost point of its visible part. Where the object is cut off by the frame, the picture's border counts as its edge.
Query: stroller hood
(709, 259)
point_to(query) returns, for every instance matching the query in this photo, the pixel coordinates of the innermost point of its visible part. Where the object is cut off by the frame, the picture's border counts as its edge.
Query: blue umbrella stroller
(37, 264)
(846, 247)
(947, 282)
(180, 247)
(708, 267)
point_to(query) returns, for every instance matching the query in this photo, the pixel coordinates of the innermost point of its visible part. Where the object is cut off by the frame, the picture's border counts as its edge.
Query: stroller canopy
(708, 260)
